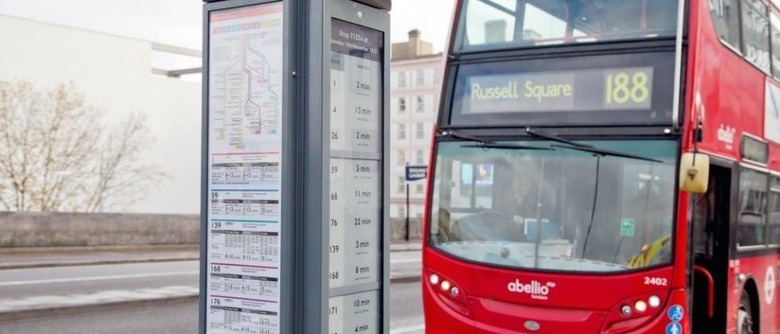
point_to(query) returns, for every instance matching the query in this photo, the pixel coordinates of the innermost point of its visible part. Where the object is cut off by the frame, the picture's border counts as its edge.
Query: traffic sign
(675, 313)
(674, 328)
(414, 173)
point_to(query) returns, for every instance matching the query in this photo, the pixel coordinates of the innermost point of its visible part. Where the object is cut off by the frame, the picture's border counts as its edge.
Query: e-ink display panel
(355, 194)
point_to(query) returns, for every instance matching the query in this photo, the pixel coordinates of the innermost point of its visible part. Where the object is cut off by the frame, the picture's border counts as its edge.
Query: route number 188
(625, 87)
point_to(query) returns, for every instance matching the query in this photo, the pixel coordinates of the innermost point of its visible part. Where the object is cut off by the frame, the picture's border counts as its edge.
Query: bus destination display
(577, 90)
(355, 194)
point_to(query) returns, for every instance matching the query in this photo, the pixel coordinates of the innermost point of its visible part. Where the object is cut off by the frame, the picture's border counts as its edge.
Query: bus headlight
(640, 306)
(654, 301)
(448, 292)
(434, 279)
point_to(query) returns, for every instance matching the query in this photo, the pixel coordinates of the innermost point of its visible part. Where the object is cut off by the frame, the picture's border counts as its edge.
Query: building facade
(415, 75)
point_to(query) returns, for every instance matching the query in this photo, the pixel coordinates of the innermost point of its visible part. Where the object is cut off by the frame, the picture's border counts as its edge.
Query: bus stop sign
(414, 173)
(289, 142)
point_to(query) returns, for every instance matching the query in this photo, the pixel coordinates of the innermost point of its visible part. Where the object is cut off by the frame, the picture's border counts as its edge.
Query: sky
(178, 22)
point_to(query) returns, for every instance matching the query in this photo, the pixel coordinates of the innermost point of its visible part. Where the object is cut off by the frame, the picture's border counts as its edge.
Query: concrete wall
(109, 229)
(78, 229)
(398, 229)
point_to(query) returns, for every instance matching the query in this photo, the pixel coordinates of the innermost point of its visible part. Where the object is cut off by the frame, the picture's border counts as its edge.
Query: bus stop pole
(407, 212)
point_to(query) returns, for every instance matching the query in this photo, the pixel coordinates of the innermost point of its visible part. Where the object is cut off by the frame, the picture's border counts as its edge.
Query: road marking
(52, 303)
(97, 278)
(408, 330)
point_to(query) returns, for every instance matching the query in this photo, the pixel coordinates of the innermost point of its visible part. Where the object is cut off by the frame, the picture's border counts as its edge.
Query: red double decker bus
(606, 166)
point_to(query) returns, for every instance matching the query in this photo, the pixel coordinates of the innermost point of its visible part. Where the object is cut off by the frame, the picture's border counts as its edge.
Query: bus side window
(725, 17)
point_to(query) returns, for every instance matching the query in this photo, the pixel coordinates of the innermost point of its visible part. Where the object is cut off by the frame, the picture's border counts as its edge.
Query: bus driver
(526, 202)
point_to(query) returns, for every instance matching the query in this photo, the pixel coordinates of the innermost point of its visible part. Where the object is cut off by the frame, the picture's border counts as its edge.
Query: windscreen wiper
(585, 148)
(484, 143)
(461, 136)
(531, 131)
(601, 151)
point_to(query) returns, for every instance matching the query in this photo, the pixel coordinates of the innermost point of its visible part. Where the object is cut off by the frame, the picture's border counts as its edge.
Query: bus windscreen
(546, 206)
(500, 24)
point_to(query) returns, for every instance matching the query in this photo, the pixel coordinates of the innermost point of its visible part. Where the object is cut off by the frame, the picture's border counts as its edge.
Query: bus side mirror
(694, 172)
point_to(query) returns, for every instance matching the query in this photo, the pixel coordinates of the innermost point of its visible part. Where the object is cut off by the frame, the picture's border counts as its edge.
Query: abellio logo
(726, 134)
(536, 289)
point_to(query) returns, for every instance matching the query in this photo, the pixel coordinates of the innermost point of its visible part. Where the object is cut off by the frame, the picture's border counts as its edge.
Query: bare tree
(58, 154)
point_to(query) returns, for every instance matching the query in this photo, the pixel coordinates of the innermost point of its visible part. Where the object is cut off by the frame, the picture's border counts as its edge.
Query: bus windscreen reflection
(555, 209)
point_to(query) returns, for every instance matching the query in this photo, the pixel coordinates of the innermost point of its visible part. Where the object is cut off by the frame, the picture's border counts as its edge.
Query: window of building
(401, 104)
(418, 188)
(401, 186)
(401, 79)
(401, 158)
(419, 132)
(420, 104)
(420, 81)
(401, 131)
(725, 16)
(752, 208)
(420, 157)
(436, 76)
(401, 211)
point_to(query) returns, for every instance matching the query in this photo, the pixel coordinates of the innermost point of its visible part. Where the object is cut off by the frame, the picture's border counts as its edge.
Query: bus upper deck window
(502, 24)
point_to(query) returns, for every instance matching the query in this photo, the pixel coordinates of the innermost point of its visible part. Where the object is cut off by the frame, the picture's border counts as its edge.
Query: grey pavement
(182, 317)
(80, 256)
(41, 291)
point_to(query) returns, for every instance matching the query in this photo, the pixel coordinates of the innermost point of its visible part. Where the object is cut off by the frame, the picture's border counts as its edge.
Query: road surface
(182, 318)
(30, 285)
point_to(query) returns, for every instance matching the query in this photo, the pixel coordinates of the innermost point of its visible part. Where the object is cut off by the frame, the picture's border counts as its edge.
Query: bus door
(710, 243)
